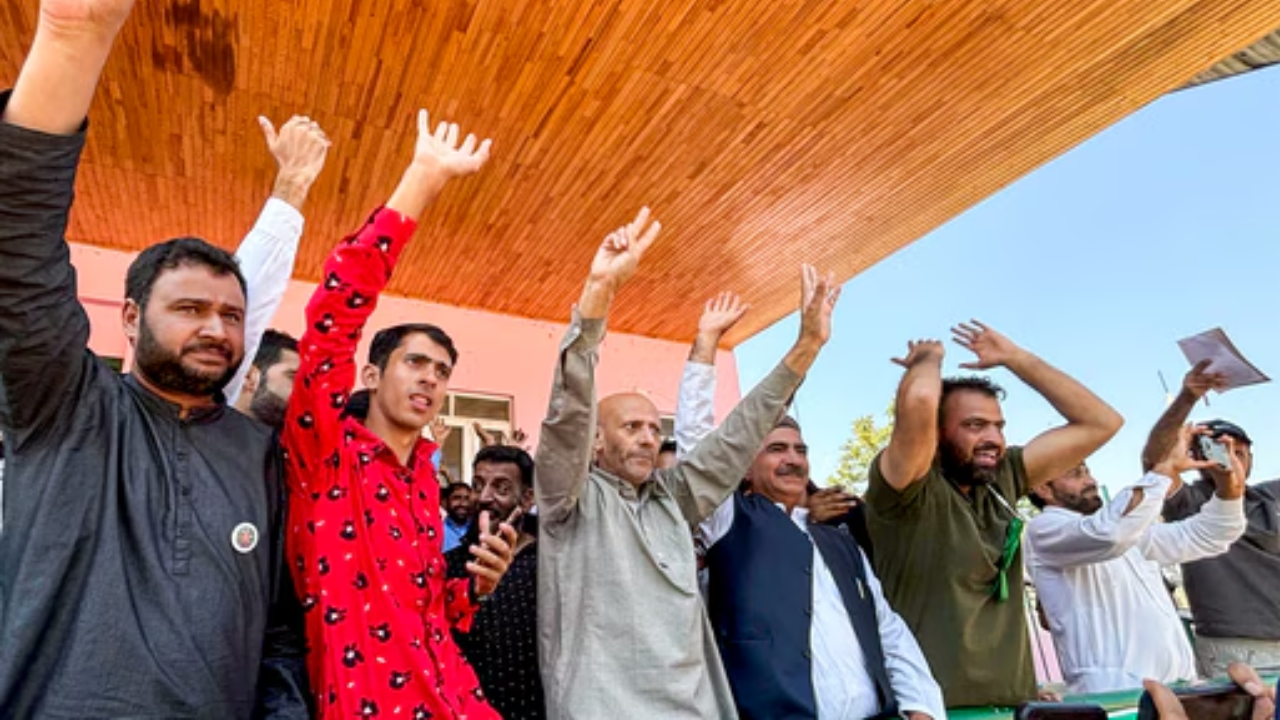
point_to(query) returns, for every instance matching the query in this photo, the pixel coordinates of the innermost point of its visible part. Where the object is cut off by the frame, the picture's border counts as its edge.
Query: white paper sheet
(1214, 345)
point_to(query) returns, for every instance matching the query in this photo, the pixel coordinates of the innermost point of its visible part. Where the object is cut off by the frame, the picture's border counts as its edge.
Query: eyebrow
(205, 303)
(423, 356)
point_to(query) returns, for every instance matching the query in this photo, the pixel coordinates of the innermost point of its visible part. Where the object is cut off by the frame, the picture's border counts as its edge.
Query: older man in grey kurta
(622, 629)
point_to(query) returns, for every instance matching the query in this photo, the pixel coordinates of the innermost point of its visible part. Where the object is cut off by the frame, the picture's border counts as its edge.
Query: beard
(1085, 503)
(268, 407)
(962, 470)
(165, 370)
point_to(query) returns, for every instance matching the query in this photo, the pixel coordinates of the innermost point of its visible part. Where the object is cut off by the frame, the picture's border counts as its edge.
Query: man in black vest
(805, 634)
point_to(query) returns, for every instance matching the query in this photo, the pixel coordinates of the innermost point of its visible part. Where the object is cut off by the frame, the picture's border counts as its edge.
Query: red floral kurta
(364, 530)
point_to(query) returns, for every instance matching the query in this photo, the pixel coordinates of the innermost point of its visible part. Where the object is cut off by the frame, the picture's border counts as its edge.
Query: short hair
(971, 383)
(388, 339)
(273, 347)
(357, 405)
(452, 488)
(173, 254)
(498, 454)
(668, 446)
(786, 421)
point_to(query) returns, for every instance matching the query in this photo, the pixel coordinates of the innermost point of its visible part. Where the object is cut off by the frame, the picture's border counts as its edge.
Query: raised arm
(44, 331)
(1220, 522)
(267, 253)
(1090, 421)
(564, 450)
(1164, 435)
(354, 275)
(711, 472)
(695, 406)
(914, 440)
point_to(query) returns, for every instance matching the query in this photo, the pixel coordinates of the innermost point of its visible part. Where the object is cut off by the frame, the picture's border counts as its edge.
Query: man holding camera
(1232, 596)
(1097, 568)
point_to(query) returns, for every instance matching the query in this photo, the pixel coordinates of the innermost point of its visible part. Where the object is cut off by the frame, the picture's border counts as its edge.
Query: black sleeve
(44, 331)
(1187, 501)
(283, 688)
(855, 523)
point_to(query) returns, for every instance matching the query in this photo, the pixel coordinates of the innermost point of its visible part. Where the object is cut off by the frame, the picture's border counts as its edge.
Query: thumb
(1168, 707)
(268, 130)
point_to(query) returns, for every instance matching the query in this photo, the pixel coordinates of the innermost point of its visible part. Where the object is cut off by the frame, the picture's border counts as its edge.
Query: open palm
(441, 152)
(991, 348)
(721, 313)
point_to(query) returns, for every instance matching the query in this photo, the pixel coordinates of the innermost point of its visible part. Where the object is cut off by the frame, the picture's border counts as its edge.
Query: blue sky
(1162, 226)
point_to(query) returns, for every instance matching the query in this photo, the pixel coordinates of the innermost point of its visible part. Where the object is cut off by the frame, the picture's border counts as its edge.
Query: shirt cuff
(1227, 509)
(1155, 482)
(588, 331)
(281, 218)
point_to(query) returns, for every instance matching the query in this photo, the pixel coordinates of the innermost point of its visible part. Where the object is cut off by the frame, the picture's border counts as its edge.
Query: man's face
(415, 384)
(271, 396)
(459, 505)
(628, 435)
(1076, 490)
(780, 471)
(971, 437)
(190, 337)
(500, 491)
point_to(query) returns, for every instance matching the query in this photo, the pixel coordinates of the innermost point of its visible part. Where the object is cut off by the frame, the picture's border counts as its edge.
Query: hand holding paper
(1224, 359)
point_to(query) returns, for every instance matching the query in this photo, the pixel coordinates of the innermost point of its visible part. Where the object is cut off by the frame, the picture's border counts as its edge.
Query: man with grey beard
(940, 508)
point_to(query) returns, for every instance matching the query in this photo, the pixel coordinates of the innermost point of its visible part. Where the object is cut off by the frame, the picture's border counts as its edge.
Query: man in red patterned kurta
(364, 521)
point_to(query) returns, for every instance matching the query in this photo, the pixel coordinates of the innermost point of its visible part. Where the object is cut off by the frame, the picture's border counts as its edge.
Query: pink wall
(498, 354)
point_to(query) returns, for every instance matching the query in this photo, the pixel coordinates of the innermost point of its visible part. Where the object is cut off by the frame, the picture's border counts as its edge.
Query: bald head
(628, 436)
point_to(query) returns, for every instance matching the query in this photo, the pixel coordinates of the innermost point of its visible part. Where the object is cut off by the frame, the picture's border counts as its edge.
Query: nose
(992, 434)
(213, 328)
(650, 436)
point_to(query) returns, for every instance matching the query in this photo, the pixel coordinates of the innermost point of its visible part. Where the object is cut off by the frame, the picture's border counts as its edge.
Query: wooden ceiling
(763, 133)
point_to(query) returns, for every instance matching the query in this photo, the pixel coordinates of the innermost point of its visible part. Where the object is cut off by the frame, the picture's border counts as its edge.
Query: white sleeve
(715, 527)
(266, 258)
(909, 675)
(1064, 539)
(695, 406)
(1208, 533)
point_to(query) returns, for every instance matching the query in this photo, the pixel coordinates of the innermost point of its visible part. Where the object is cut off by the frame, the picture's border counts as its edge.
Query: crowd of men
(218, 538)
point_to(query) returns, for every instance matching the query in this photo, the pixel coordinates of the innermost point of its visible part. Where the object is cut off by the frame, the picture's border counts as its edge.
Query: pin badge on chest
(244, 538)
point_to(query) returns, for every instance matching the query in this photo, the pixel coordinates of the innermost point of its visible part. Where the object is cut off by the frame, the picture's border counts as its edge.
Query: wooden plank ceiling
(762, 132)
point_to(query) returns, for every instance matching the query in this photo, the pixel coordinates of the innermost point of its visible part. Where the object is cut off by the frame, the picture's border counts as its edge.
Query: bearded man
(940, 508)
(1096, 569)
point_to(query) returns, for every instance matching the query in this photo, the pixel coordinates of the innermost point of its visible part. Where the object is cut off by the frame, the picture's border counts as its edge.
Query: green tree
(865, 440)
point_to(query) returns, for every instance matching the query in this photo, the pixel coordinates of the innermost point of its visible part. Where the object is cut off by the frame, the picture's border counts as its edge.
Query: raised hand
(992, 348)
(492, 556)
(1179, 458)
(1229, 483)
(1199, 380)
(440, 430)
(486, 439)
(919, 351)
(300, 149)
(440, 153)
(619, 255)
(720, 314)
(818, 296)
